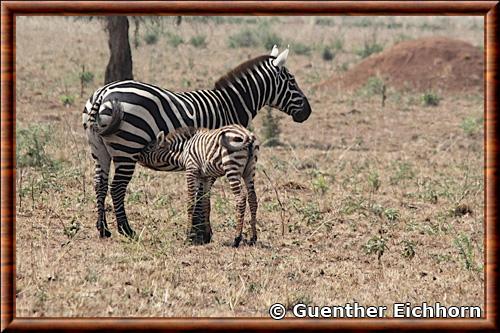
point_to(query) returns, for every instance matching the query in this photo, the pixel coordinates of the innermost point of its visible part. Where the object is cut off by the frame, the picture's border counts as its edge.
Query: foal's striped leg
(207, 186)
(239, 193)
(197, 235)
(252, 203)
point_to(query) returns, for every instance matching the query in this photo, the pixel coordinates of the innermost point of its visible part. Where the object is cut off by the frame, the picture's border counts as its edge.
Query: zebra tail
(114, 123)
(230, 146)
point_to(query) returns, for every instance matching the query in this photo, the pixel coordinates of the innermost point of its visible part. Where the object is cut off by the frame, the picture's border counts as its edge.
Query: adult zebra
(121, 118)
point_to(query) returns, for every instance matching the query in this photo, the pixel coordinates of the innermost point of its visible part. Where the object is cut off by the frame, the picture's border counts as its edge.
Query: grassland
(363, 203)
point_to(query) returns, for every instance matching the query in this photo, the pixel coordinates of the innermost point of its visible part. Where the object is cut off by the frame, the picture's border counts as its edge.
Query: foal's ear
(160, 137)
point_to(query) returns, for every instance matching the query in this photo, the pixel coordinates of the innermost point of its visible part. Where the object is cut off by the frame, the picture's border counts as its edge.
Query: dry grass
(395, 174)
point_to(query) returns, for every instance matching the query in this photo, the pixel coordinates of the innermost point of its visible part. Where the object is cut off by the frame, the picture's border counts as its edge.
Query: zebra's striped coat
(206, 155)
(121, 118)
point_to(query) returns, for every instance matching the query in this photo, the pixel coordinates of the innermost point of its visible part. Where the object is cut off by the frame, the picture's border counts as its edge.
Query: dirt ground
(423, 64)
(363, 202)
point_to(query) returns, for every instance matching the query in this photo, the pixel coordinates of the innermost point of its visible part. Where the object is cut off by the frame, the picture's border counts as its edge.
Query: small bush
(310, 213)
(254, 37)
(374, 181)
(320, 184)
(338, 44)
(243, 38)
(325, 21)
(369, 48)
(299, 48)
(269, 39)
(198, 41)
(151, 37)
(30, 146)
(376, 245)
(270, 129)
(67, 100)
(327, 54)
(403, 171)
(86, 77)
(465, 250)
(391, 214)
(471, 125)
(174, 40)
(408, 249)
(431, 99)
(373, 86)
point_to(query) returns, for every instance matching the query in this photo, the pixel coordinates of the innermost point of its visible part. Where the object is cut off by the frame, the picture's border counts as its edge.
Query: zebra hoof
(252, 241)
(199, 239)
(237, 241)
(104, 233)
(207, 238)
(198, 236)
(127, 231)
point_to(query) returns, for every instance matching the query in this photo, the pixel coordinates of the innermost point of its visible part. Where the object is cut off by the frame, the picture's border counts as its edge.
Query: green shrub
(298, 48)
(408, 249)
(373, 86)
(67, 100)
(376, 245)
(431, 99)
(30, 146)
(254, 37)
(374, 181)
(174, 40)
(243, 38)
(369, 48)
(310, 213)
(151, 37)
(198, 41)
(338, 44)
(270, 129)
(86, 77)
(403, 171)
(391, 214)
(269, 39)
(471, 125)
(325, 21)
(465, 250)
(320, 184)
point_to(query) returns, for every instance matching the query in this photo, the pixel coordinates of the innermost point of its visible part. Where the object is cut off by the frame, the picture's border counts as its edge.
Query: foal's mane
(228, 78)
(184, 132)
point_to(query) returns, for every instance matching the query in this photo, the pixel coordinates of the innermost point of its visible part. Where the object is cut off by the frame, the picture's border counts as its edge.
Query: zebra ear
(160, 137)
(281, 59)
(274, 51)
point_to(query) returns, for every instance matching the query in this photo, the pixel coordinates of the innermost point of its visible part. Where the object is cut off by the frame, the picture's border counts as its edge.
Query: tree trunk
(120, 60)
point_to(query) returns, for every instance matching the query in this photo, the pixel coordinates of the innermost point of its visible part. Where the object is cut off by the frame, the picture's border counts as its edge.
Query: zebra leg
(102, 164)
(195, 207)
(207, 186)
(124, 169)
(252, 203)
(241, 199)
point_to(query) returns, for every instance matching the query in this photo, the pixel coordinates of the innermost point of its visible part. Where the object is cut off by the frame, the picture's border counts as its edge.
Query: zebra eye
(238, 139)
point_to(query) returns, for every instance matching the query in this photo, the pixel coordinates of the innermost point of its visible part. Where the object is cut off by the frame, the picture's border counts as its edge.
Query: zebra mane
(228, 78)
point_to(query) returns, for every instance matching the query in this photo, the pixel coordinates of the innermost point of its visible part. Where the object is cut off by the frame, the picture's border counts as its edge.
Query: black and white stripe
(206, 155)
(121, 118)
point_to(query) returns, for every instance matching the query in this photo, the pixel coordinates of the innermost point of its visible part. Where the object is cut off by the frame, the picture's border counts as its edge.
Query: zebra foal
(206, 155)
